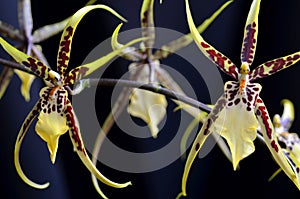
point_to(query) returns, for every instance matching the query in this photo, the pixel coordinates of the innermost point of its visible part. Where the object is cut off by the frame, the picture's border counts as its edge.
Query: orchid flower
(145, 68)
(28, 43)
(239, 111)
(291, 141)
(54, 111)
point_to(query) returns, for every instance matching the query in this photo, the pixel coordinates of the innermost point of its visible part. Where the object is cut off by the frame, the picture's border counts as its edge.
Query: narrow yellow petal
(86, 69)
(27, 80)
(79, 147)
(63, 55)
(26, 124)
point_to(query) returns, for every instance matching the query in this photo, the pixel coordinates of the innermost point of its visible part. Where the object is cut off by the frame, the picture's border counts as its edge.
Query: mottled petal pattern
(81, 71)
(270, 67)
(64, 50)
(34, 112)
(147, 23)
(224, 63)
(33, 64)
(79, 148)
(272, 143)
(206, 129)
(51, 122)
(237, 122)
(185, 40)
(250, 34)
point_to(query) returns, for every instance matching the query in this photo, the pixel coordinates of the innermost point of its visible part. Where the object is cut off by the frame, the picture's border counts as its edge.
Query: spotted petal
(64, 50)
(270, 67)
(205, 131)
(51, 122)
(185, 40)
(209, 51)
(26, 124)
(250, 34)
(271, 142)
(149, 106)
(237, 122)
(79, 147)
(37, 67)
(147, 23)
(86, 69)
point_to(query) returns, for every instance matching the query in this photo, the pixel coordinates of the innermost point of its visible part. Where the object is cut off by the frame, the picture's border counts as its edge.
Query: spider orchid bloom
(149, 106)
(291, 141)
(28, 43)
(239, 111)
(54, 109)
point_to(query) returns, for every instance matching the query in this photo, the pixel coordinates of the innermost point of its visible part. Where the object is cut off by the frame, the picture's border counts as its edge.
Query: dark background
(209, 177)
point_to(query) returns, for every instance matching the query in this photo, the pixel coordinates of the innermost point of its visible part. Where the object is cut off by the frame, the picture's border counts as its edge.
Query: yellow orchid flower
(291, 141)
(239, 111)
(28, 39)
(54, 110)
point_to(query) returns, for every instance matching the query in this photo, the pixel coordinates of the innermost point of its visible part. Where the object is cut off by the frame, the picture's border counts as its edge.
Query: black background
(209, 177)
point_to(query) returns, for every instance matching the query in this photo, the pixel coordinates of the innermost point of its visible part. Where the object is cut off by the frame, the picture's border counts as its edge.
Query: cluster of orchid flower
(239, 115)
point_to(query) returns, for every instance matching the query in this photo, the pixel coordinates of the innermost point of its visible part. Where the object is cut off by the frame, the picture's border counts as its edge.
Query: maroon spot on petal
(197, 147)
(229, 86)
(274, 145)
(204, 45)
(237, 101)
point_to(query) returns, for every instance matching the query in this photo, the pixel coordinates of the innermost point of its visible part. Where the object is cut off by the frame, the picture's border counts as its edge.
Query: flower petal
(77, 142)
(288, 114)
(185, 40)
(129, 53)
(64, 50)
(147, 24)
(34, 112)
(52, 122)
(149, 106)
(250, 34)
(270, 67)
(203, 134)
(195, 122)
(271, 141)
(86, 69)
(37, 67)
(27, 80)
(237, 122)
(225, 64)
